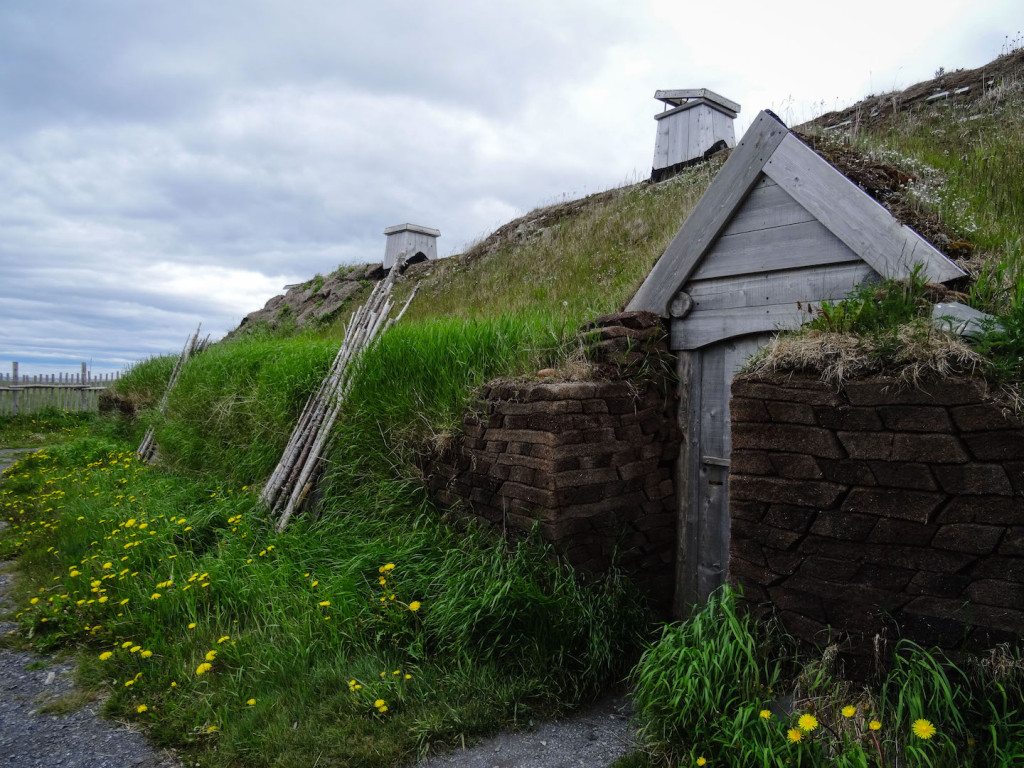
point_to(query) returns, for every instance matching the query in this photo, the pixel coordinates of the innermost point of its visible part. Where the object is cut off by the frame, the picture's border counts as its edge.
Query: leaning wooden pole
(288, 487)
(147, 448)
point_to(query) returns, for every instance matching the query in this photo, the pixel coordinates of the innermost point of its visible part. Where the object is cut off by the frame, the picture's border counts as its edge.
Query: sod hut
(779, 231)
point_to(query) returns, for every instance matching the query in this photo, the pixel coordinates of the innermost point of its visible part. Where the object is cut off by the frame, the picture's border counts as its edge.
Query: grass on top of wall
(235, 404)
(978, 191)
(588, 262)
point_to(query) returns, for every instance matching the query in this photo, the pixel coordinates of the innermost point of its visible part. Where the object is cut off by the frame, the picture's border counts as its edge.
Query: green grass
(505, 634)
(723, 687)
(979, 193)
(587, 263)
(44, 427)
(144, 383)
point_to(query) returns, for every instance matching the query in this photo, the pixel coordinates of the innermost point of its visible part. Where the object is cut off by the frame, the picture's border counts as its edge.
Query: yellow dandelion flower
(211, 655)
(794, 735)
(807, 722)
(702, 760)
(324, 603)
(315, 583)
(34, 600)
(174, 684)
(408, 676)
(146, 654)
(875, 725)
(106, 655)
(203, 668)
(108, 565)
(849, 710)
(155, 596)
(141, 708)
(223, 639)
(923, 729)
(765, 714)
(212, 729)
(251, 702)
(124, 602)
(414, 606)
(127, 644)
(135, 649)
(129, 683)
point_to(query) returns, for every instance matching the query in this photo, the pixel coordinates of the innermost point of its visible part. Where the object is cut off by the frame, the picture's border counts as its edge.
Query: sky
(165, 164)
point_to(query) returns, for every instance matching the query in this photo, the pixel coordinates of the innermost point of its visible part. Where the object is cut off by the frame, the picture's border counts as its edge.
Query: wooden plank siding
(828, 282)
(773, 263)
(869, 230)
(715, 208)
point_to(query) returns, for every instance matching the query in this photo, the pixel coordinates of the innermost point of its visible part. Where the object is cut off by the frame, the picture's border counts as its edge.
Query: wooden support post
(14, 392)
(687, 468)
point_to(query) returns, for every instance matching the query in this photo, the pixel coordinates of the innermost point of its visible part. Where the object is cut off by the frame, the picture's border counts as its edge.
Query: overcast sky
(165, 163)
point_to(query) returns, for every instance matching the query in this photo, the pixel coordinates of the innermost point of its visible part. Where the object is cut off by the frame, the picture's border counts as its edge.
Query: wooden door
(706, 376)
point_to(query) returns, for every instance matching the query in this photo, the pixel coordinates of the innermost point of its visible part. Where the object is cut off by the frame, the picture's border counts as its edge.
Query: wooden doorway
(705, 381)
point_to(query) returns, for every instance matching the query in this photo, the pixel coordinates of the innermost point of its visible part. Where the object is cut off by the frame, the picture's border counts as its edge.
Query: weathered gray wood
(699, 329)
(811, 284)
(687, 475)
(710, 215)
(706, 566)
(681, 305)
(768, 205)
(870, 231)
(676, 95)
(709, 106)
(806, 244)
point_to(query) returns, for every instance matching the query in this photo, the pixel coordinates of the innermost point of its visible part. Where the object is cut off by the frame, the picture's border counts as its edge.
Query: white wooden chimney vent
(694, 120)
(409, 243)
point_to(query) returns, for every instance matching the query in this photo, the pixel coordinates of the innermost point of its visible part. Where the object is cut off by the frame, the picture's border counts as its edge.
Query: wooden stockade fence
(29, 393)
(289, 486)
(193, 345)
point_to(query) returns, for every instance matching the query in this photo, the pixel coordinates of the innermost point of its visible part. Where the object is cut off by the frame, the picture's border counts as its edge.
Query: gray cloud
(165, 163)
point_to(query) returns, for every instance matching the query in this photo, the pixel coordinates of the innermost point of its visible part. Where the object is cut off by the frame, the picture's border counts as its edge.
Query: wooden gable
(778, 230)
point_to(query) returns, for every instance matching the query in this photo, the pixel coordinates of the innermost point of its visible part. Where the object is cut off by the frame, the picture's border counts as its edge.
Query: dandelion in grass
(794, 735)
(203, 668)
(923, 729)
(141, 708)
(765, 714)
(849, 711)
(135, 649)
(191, 625)
(324, 603)
(146, 654)
(106, 655)
(807, 722)
(702, 760)
(155, 596)
(211, 655)
(414, 606)
(251, 702)
(212, 729)
(875, 725)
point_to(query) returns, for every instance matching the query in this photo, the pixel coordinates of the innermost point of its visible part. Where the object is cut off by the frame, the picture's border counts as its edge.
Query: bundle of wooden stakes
(193, 345)
(296, 473)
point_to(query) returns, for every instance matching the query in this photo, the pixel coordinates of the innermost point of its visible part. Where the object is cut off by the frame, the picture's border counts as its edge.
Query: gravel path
(592, 739)
(80, 739)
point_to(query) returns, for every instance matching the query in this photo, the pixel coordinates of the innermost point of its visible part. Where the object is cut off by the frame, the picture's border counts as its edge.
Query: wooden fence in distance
(80, 391)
